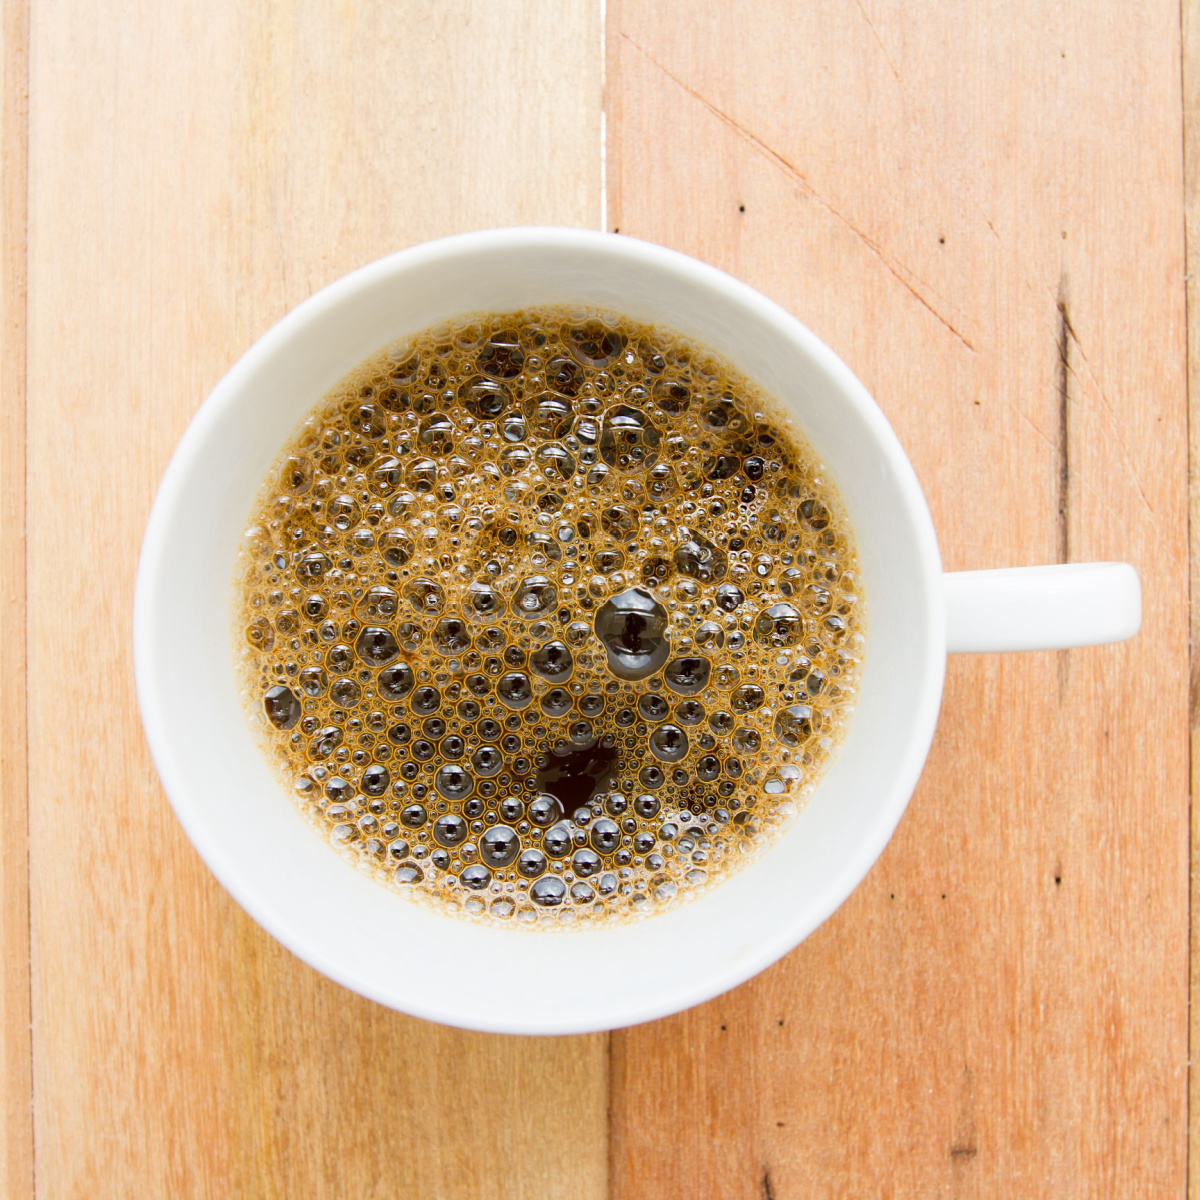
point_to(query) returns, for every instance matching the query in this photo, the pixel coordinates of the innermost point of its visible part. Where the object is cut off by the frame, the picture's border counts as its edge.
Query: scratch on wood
(1065, 336)
(882, 47)
(767, 1191)
(1064, 424)
(897, 268)
(1079, 485)
(1032, 425)
(963, 1148)
(1109, 411)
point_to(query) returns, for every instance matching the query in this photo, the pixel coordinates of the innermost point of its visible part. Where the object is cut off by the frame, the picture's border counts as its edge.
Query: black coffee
(549, 615)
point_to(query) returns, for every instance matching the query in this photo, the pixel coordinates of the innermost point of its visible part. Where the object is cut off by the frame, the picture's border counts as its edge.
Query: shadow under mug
(380, 944)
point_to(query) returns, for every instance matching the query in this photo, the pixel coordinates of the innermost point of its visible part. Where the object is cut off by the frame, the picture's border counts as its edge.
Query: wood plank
(16, 1077)
(979, 208)
(195, 171)
(1190, 22)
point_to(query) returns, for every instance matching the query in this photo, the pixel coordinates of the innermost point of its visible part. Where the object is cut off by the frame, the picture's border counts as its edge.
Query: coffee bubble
(669, 743)
(376, 646)
(778, 626)
(282, 707)
(484, 398)
(386, 475)
(435, 434)
(605, 836)
(313, 681)
(608, 561)
(545, 810)
(499, 846)
(557, 841)
(532, 863)
(396, 681)
(729, 598)
(514, 689)
(548, 892)
(425, 596)
(555, 460)
(535, 597)
(475, 877)
(594, 344)
(633, 629)
(450, 830)
(420, 473)
(414, 816)
(502, 356)
(375, 780)
(512, 809)
(451, 636)
(564, 376)
(700, 559)
(453, 782)
(794, 725)
(556, 702)
(379, 603)
(482, 603)
(746, 698)
(552, 661)
(628, 438)
(585, 862)
(688, 676)
(671, 395)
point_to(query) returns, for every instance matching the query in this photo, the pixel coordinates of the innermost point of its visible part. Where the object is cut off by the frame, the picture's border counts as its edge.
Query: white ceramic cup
(380, 944)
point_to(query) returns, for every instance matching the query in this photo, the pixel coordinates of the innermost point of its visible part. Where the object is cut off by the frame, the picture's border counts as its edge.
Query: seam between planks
(609, 1177)
(609, 1148)
(25, 8)
(1187, 68)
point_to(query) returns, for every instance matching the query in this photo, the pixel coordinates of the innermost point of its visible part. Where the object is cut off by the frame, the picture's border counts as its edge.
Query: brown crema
(548, 616)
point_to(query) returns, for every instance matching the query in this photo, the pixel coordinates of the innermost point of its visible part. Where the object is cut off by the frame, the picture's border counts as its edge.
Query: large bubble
(633, 629)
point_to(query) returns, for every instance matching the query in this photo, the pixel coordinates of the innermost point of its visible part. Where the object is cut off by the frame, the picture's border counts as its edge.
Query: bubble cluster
(548, 618)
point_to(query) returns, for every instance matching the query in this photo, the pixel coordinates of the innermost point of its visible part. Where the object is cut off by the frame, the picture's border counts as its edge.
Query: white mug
(381, 944)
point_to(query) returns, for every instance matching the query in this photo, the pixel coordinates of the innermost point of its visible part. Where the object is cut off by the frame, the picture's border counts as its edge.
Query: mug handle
(1041, 608)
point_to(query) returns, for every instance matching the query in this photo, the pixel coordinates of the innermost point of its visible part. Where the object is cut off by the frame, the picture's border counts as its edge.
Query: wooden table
(983, 208)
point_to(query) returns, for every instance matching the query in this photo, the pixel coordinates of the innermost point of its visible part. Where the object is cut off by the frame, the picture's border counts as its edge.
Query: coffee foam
(549, 617)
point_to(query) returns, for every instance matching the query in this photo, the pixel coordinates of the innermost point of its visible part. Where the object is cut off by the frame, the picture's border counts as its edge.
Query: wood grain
(1190, 22)
(195, 171)
(980, 208)
(16, 1078)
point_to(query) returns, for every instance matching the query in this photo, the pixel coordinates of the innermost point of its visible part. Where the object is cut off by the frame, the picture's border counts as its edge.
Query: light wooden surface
(16, 1079)
(195, 170)
(982, 209)
(1191, 164)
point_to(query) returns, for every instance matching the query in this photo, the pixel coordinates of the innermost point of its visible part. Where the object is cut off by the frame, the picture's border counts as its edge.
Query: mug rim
(310, 314)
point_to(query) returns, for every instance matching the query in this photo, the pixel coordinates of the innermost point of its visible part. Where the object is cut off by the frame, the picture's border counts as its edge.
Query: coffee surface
(548, 616)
